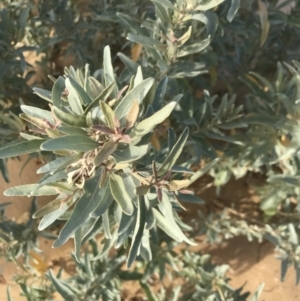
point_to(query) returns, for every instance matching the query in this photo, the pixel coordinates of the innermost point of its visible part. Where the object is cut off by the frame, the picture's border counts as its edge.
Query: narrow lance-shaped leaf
(148, 124)
(174, 153)
(138, 93)
(57, 90)
(102, 96)
(120, 194)
(84, 206)
(30, 190)
(235, 4)
(85, 99)
(73, 98)
(39, 113)
(138, 232)
(69, 119)
(132, 115)
(106, 150)
(62, 288)
(208, 5)
(21, 148)
(108, 113)
(70, 142)
(109, 76)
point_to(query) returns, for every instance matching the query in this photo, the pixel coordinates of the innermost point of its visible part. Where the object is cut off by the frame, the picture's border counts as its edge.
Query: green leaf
(174, 153)
(109, 76)
(77, 244)
(73, 98)
(62, 288)
(57, 90)
(145, 41)
(208, 5)
(31, 190)
(235, 4)
(39, 113)
(81, 213)
(105, 218)
(50, 207)
(203, 170)
(265, 25)
(148, 124)
(136, 94)
(70, 142)
(21, 148)
(109, 114)
(165, 3)
(51, 166)
(52, 216)
(190, 49)
(71, 130)
(70, 119)
(166, 227)
(4, 171)
(120, 194)
(130, 153)
(106, 150)
(9, 298)
(138, 232)
(105, 200)
(102, 96)
(84, 97)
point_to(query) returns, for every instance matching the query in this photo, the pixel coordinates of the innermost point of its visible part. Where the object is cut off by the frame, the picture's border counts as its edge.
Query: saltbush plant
(124, 137)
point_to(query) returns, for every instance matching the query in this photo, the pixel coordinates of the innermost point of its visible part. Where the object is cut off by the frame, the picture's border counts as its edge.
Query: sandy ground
(251, 263)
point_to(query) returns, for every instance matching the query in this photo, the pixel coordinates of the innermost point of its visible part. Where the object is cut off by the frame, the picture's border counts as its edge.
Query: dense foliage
(186, 87)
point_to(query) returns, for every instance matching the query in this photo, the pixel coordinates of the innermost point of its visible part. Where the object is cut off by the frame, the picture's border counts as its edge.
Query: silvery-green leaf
(223, 137)
(57, 90)
(52, 165)
(9, 298)
(141, 190)
(145, 248)
(73, 98)
(105, 200)
(96, 87)
(84, 97)
(120, 194)
(105, 219)
(39, 113)
(109, 114)
(70, 142)
(70, 119)
(4, 171)
(106, 150)
(29, 137)
(208, 5)
(150, 219)
(145, 41)
(258, 292)
(174, 153)
(137, 93)
(165, 3)
(21, 148)
(26, 190)
(50, 207)
(131, 23)
(130, 154)
(109, 76)
(138, 232)
(190, 49)
(45, 94)
(203, 170)
(102, 96)
(77, 243)
(126, 221)
(139, 77)
(130, 183)
(81, 213)
(235, 4)
(38, 122)
(160, 94)
(164, 224)
(62, 288)
(93, 230)
(130, 65)
(52, 216)
(189, 198)
(148, 124)
(51, 179)
(71, 130)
